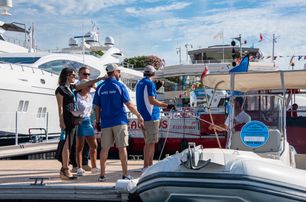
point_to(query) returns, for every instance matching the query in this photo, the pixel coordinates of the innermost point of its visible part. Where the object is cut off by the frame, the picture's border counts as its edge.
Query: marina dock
(17, 182)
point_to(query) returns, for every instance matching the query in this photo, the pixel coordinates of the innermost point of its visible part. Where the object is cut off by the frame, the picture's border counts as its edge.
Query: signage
(254, 134)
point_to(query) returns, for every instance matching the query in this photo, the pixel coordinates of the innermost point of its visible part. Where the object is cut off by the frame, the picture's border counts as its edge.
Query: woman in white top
(85, 130)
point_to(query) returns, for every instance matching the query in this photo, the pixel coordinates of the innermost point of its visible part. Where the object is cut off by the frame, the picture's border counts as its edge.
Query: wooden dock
(15, 182)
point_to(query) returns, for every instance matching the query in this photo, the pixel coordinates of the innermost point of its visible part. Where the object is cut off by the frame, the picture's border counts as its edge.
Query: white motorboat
(258, 164)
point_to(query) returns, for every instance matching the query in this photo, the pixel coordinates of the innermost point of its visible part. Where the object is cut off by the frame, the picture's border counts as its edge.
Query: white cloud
(157, 9)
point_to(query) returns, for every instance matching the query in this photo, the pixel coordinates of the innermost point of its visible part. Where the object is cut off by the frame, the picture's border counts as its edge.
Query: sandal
(66, 175)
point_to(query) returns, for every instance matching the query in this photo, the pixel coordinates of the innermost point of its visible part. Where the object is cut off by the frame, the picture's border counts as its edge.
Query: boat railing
(33, 127)
(212, 61)
(25, 67)
(16, 41)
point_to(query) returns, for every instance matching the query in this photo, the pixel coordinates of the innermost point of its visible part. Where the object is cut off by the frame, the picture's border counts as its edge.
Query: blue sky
(159, 27)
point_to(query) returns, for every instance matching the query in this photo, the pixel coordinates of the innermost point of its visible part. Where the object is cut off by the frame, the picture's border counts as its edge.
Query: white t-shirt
(242, 117)
(84, 104)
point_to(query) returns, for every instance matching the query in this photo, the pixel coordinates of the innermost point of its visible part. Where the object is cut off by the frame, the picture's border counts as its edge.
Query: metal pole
(273, 43)
(16, 128)
(240, 46)
(179, 52)
(47, 123)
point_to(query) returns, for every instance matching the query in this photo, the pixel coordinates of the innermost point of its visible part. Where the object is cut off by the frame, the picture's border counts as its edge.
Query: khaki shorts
(151, 131)
(116, 134)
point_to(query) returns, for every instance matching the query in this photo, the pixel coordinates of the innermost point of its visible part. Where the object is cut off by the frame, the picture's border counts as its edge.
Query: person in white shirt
(241, 117)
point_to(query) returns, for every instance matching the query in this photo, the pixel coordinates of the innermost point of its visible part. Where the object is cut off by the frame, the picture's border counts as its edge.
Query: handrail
(38, 140)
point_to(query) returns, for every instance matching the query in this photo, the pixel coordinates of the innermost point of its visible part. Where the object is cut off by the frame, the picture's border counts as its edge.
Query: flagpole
(223, 45)
(273, 44)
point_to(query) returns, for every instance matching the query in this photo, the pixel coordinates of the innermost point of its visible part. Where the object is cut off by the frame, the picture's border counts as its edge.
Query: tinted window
(21, 60)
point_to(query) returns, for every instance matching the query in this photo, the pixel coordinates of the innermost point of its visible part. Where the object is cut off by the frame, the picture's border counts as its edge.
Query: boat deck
(16, 182)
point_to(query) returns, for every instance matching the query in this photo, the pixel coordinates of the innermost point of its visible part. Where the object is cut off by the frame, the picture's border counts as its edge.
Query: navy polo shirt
(110, 96)
(145, 88)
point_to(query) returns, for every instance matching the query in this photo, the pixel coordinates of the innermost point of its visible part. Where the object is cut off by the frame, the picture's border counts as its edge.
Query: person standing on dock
(109, 101)
(66, 102)
(148, 106)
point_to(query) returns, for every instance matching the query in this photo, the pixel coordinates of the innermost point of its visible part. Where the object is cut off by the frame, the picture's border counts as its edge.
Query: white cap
(149, 69)
(111, 67)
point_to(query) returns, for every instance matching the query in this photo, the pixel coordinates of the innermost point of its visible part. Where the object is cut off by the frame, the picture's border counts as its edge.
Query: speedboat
(257, 164)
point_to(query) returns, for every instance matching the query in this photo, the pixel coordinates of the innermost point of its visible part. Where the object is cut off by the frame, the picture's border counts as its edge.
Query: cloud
(157, 9)
(74, 7)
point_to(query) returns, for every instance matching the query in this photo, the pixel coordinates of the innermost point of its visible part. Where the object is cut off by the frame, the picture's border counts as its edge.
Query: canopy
(248, 81)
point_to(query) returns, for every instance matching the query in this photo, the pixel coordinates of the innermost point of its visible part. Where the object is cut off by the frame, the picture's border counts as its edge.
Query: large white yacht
(29, 81)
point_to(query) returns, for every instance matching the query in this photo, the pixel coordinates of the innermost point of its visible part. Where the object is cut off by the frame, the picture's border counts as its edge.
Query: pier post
(16, 128)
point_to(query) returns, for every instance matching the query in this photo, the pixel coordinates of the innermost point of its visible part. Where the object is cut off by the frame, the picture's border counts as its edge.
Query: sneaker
(95, 170)
(86, 167)
(102, 179)
(74, 170)
(127, 177)
(80, 172)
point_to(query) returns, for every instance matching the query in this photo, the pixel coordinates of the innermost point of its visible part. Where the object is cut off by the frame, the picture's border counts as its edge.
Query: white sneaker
(80, 172)
(95, 170)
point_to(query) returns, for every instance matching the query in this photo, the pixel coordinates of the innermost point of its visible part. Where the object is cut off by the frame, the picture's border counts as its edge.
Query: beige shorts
(116, 134)
(151, 131)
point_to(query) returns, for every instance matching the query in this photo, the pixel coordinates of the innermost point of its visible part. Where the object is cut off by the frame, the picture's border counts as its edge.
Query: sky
(160, 27)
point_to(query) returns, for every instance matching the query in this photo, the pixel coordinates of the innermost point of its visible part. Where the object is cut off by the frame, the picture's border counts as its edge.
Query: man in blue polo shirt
(109, 101)
(149, 109)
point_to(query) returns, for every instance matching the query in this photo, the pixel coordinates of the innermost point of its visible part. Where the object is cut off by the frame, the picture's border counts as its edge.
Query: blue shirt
(145, 88)
(110, 96)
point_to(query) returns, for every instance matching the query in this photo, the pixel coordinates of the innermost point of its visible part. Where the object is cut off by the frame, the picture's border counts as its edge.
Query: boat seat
(274, 143)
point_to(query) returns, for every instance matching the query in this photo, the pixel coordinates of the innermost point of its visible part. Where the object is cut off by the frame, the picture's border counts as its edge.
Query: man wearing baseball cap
(110, 98)
(148, 107)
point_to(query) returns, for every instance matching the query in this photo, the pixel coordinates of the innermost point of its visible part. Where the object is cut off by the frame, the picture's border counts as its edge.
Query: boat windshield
(56, 67)
(19, 60)
(260, 121)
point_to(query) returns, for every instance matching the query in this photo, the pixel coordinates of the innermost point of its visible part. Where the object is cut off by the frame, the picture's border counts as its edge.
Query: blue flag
(243, 66)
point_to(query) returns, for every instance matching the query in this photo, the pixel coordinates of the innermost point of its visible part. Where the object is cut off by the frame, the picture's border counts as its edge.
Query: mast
(273, 44)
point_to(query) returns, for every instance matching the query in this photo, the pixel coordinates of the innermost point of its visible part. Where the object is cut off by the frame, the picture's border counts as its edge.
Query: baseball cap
(111, 67)
(149, 69)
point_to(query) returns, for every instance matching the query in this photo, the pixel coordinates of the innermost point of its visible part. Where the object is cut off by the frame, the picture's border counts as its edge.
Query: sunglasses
(86, 74)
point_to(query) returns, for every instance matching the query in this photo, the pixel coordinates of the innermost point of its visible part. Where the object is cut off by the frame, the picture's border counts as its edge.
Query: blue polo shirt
(145, 88)
(110, 96)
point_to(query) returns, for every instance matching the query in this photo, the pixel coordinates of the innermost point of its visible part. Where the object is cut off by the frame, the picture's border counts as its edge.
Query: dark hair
(239, 100)
(63, 75)
(110, 73)
(148, 74)
(82, 68)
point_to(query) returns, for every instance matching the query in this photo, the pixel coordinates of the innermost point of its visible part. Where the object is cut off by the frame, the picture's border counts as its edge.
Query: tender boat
(258, 164)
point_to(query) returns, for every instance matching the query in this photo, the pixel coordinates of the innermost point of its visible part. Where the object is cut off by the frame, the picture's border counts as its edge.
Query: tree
(142, 61)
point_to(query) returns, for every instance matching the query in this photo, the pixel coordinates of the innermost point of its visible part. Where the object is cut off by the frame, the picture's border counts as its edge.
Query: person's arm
(155, 102)
(59, 99)
(97, 114)
(88, 83)
(221, 127)
(133, 109)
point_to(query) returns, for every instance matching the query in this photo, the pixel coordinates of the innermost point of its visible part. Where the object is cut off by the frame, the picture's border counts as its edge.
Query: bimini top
(248, 81)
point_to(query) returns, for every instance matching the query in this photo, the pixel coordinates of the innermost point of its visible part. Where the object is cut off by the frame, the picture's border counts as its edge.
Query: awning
(248, 81)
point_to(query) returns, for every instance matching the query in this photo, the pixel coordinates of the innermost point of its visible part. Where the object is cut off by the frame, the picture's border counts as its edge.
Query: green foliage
(98, 53)
(142, 61)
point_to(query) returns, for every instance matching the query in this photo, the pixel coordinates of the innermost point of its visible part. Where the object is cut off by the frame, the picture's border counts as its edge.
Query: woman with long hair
(67, 109)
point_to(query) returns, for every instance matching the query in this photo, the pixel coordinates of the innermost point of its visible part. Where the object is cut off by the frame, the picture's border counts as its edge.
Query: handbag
(76, 117)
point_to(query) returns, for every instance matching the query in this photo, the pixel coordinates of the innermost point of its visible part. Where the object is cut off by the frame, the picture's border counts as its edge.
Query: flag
(260, 37)
(274, 57)
(300, 57)
(205, 71)
(243, 66)
(291, 61)
(219, 35)
(304, 57)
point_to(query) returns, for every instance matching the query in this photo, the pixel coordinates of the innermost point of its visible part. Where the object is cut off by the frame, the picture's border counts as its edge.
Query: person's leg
(107, 141)
(123, 159)
(72, 156)
(85, 154)
(91, 140)
(151, 137)
(79, 149)
(103, 159)
(121, 136)
(150, 153)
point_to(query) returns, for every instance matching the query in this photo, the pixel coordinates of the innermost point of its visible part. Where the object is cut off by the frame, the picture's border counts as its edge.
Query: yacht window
(56, 67)
(39, 112)
(20, 60)
(20, 105)
(26, 105)
(43, 114)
